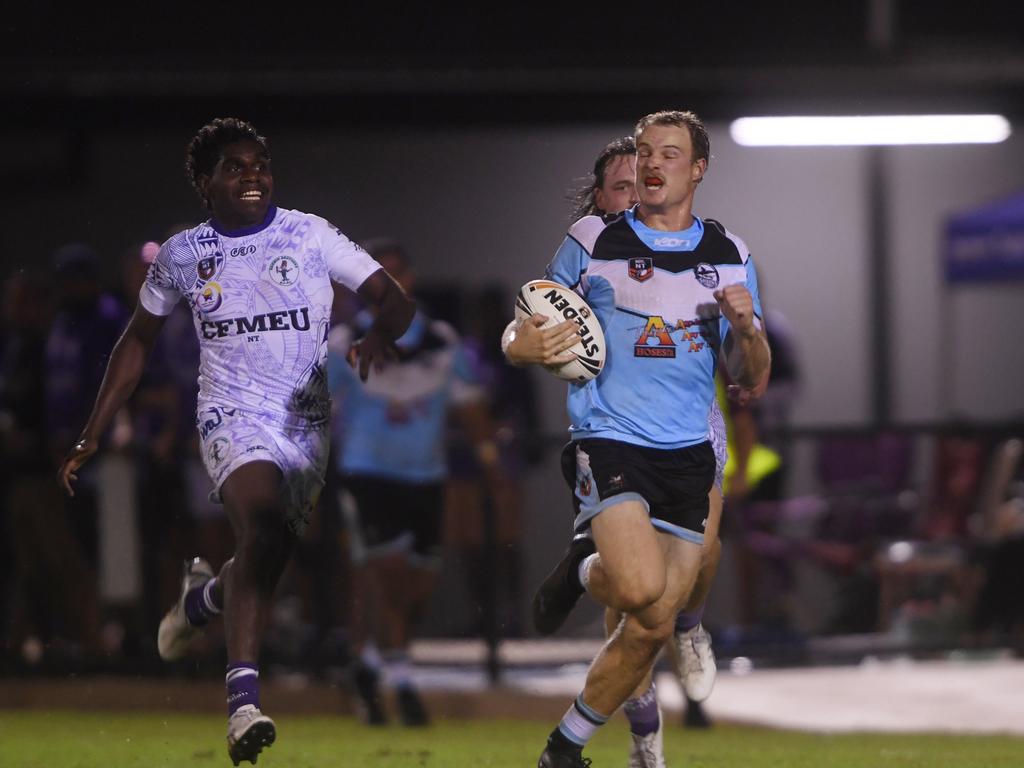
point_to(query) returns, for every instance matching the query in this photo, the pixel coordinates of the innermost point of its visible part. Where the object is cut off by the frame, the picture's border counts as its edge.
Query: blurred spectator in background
(957, 471)
(49, 591)
(773, 407)
(87, 324)
(755, 473)
(998, 527)
(513, 409)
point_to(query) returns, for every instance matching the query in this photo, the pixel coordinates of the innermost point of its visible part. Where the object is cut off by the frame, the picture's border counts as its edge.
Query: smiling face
(666, 172)
(241, 185)
(618, 192)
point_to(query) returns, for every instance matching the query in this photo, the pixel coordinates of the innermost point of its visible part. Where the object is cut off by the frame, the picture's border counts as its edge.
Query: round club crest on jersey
(559, 303)
(284, 270)
(210, 298)
(706, 275)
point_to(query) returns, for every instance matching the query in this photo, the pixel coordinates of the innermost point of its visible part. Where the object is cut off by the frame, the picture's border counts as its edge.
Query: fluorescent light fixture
(869, 130)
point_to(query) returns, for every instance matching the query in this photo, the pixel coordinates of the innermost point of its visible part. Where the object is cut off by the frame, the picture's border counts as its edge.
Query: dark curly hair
(583, 198)
(205, 149)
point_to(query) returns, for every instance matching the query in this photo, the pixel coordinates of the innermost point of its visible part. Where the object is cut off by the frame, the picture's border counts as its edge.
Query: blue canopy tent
(987, 243)
(983, 249)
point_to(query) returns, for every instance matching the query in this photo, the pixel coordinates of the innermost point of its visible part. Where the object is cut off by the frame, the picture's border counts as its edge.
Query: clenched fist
(737, 305)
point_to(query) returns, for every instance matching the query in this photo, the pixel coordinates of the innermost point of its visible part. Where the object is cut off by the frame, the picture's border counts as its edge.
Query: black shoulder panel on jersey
(716, 224)
(717, 246)
(618, 241)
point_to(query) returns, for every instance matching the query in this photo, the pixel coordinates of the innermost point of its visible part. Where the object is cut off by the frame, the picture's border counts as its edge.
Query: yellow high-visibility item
(762, 461)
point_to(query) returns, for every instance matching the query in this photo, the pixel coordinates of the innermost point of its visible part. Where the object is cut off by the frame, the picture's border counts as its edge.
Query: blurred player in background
(644, 464)
(258, 281)
(392, 461)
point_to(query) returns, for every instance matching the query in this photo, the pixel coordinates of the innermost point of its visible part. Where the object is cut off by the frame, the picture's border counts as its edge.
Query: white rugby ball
(559, 303)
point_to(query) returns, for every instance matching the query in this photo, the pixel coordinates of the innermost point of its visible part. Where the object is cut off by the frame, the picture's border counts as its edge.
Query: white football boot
(249, 731)
(175, 632)
(697, 667)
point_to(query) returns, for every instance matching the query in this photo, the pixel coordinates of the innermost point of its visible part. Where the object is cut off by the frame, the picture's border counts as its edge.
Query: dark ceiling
(385, 62)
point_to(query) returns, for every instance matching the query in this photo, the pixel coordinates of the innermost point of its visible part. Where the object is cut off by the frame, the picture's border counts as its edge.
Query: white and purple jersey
(261, 303)
(653, 294)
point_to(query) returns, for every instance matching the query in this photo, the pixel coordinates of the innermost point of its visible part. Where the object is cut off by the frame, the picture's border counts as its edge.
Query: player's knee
(639, 592)
(658, 626)
(646, 635)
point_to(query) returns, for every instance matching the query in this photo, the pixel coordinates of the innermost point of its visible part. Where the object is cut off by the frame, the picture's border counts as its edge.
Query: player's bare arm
(393, 312)
(742, 396)
(127, 361)
(531, 343)
(746, 348)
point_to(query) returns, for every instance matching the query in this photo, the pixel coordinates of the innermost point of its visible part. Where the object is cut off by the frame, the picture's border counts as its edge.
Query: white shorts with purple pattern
(716, 430)
(230, 438)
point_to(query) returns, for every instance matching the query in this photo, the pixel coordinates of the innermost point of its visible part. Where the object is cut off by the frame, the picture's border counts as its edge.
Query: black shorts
(390, 516)
(673, 484)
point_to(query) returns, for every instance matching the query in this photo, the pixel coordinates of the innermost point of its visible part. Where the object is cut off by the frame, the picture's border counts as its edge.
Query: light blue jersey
(653, 294)
(393, 426)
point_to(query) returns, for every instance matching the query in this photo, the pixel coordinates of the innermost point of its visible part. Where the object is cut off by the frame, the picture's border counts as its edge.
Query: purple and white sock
(243, 683)
(642, 713)
(687, 621)
(201, 603)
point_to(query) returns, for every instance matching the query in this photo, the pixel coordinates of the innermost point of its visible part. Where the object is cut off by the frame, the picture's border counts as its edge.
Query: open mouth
(653, 182)
(253, 195)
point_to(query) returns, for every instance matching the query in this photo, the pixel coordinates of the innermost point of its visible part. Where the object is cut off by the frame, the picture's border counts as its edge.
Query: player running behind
(391, 457)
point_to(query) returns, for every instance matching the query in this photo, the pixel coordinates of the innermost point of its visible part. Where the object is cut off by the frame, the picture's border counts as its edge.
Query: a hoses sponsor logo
(656, 339)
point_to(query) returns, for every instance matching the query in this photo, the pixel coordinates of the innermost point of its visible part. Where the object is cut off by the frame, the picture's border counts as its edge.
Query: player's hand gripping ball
(558, 303)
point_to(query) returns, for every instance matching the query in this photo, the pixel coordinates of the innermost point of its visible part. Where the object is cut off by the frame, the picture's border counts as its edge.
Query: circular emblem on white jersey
(284, 270)
(210, 298)
(218, 451)
(706, 275)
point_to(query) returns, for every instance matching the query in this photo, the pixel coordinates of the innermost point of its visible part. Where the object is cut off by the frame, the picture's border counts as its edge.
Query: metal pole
(881, 37)
(881, 332)
(492, 579)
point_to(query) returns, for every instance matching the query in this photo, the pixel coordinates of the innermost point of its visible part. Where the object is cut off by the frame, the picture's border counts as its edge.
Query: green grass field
(113, 740)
